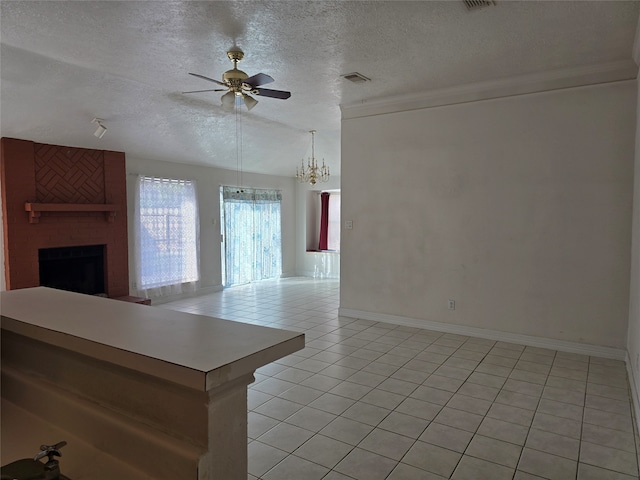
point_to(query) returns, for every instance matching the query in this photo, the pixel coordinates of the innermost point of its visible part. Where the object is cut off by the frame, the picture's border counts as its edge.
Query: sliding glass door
(251, 234)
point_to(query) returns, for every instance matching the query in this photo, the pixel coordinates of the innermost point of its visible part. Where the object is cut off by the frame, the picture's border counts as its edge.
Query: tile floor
(368, 400)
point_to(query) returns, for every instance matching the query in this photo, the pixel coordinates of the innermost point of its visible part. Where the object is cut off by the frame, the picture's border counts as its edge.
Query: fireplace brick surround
(59, 179)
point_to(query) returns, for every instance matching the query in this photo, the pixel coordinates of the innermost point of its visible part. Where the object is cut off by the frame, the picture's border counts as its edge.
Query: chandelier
(312, 173)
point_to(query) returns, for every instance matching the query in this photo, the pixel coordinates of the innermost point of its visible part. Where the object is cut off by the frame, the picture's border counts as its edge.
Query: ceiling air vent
(355, 77)
(477, 4)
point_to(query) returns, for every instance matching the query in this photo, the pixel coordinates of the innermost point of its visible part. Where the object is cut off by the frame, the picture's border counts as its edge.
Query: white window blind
(166, 235)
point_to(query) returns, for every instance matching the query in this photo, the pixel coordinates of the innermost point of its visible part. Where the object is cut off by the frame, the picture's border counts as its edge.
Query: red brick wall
(33, 172)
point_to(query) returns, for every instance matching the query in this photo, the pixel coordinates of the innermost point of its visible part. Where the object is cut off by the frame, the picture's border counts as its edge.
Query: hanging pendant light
(312, 173)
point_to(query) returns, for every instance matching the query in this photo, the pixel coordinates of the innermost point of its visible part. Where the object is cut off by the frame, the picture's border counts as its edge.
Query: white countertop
(193, 350)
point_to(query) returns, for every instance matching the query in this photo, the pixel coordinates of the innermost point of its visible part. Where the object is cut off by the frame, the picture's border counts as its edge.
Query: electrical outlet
(452, 304)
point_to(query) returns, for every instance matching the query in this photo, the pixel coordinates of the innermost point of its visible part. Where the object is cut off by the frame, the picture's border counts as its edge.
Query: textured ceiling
(64, 63)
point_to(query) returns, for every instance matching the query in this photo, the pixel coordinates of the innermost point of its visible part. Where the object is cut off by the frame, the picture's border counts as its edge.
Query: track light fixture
(101, 130)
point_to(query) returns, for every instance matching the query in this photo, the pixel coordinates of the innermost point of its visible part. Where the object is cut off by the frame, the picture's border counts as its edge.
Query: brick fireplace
(55, 196)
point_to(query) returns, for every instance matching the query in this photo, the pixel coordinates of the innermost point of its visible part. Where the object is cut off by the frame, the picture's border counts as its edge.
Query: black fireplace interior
(76, 269)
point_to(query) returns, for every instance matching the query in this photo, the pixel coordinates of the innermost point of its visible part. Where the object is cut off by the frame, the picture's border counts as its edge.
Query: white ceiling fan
(239, 85)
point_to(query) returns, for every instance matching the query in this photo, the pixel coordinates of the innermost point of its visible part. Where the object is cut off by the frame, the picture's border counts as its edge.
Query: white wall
(633, 340)
(313, 264)
(518, 208)
(208, 181)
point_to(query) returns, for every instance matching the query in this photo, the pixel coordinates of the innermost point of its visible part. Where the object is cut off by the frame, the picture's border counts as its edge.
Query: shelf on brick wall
(35, 209)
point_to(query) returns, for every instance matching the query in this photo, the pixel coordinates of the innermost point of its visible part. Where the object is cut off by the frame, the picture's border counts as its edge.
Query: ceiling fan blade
(207, 78)
(265, 92)
(258, 79)
(210, 90)
(249, 101)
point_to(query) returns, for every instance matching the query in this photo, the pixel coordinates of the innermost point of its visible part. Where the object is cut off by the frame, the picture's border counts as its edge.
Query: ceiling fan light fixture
(249, 101)
(228, 100)
(101, 130)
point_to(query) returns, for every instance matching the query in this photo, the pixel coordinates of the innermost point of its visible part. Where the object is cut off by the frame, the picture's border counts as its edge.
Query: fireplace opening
(76, 269)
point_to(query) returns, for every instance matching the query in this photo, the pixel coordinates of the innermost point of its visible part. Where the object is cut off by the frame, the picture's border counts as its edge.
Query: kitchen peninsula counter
(161, 391)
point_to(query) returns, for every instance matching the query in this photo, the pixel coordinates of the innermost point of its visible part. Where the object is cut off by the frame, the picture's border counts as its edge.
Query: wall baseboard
(541, 342)
(320, 276)
(635, 401)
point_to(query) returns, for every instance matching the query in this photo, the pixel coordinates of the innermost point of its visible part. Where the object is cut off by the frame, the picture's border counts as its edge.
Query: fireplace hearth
(76, 269)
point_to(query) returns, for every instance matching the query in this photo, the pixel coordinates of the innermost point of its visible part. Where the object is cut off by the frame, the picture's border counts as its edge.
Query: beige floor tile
(609, 458)
(508, 413)
(590, 472)
(608, 437)
(469, 404)
(419, 408)
(366, 413)
(351, 390)
(403, 424)
(561, 409)
(526, 388)
(366, 378)
(432, 395)
(278, 408)
(407, 472)
(301, 394)
(398, 386)
(294, 468)
(311, 419)
(471, 468)
(553, 443)
(486, 379)
(458, 419)
(479, 391)
(427, 392)
(432, 458)
(259, 424)
(323, 450)
(285, 437)
(525, 376)
(491, 369)
(346, 430)
(621, 407)
(559, 425)
(547, 465)
(263, 457)
(446, 437)
(363, 465)
(443, 383)
(383, 398)
(494, 450)
(609, 392)
(331, 403)
(516, 399)
(320, 382)
(500, 360)
(501, 430)
(608, 420)
(386, 443)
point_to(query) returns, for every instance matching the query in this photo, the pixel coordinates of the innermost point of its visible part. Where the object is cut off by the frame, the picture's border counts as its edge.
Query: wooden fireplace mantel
(35, 209)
